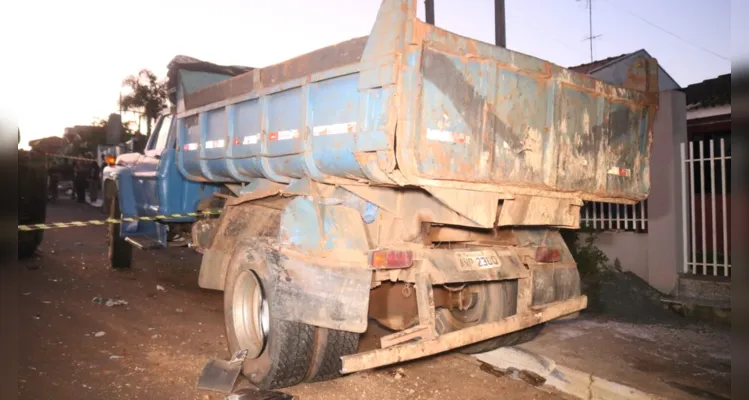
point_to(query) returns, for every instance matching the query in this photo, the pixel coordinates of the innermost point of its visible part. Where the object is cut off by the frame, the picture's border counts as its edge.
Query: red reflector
(391, 259)
(548, 254)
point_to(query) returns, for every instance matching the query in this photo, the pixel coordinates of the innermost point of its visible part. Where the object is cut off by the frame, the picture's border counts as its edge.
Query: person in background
(80, 171)
(94, 175)
(54, 180)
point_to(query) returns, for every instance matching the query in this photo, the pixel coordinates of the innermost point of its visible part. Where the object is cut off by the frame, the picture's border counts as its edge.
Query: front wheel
(120, 250)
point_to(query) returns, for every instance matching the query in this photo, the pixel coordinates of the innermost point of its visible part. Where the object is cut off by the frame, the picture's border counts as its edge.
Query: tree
(127, 130)
(147, 95)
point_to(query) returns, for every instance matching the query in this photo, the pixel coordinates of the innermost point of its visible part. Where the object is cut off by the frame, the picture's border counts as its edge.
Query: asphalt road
(154, 346)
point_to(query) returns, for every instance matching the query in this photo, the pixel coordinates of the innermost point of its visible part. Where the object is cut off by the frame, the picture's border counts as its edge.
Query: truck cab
(155, 202)
(139, 186)
(151, 196)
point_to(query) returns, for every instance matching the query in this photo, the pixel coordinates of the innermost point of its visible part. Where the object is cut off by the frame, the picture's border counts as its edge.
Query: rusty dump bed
(415, 105)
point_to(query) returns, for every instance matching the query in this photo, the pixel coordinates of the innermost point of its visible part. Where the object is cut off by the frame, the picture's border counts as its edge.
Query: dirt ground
(687, 362)
(154, 346)
(628, 336)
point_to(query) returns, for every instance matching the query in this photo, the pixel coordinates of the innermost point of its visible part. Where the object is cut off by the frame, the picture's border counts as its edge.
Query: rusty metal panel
(235, 223)
(453, 340)
(540, 211)
(524, 124)
(480, 122)
(467, 116)
(231, 87)
(330, 57)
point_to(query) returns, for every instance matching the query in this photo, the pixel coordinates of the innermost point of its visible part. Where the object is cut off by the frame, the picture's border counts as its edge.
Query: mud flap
(221, 375)
(333, 297)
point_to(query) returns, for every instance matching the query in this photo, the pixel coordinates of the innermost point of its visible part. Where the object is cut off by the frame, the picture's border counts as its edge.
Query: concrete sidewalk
(602, 358)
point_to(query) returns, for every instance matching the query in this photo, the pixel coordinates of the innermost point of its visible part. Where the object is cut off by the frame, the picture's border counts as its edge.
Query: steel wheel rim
(250, 315)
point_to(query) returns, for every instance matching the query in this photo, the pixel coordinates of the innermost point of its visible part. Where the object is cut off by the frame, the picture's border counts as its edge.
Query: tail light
(391, 259)
(111, 160)
(548, 254)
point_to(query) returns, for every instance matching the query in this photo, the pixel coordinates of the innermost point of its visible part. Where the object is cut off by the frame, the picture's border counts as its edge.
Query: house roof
(709, 93)
(592, 66)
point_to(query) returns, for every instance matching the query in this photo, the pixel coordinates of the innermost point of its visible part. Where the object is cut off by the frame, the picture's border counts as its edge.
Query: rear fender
(324, 275)
(322, 293)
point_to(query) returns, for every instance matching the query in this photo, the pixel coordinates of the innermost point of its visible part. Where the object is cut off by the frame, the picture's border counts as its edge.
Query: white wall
(631, 248)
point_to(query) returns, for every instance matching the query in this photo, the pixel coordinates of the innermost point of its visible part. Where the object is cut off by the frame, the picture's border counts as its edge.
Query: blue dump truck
(413, 177)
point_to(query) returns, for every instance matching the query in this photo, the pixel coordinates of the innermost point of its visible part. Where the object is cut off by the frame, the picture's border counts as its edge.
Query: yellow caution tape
(72, 224)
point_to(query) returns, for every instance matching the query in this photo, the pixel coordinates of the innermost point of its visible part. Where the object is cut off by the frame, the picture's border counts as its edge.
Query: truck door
(146, 171)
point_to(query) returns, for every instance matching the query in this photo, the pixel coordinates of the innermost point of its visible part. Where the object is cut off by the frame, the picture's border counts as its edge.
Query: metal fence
(706, 200)
(615, 217)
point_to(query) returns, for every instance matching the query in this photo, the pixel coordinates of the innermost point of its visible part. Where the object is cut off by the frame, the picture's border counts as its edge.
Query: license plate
(468, 260)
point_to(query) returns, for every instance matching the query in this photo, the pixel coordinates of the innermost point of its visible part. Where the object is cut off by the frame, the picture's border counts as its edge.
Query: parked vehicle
(32, 200)
(413, 177)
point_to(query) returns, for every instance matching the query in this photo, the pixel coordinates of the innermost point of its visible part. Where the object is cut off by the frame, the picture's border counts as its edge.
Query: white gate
(706, 202)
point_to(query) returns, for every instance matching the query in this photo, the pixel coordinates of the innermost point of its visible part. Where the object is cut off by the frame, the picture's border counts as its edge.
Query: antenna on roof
(591, 37)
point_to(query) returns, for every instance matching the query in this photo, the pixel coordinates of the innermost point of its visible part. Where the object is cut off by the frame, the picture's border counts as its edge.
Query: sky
(73, 55)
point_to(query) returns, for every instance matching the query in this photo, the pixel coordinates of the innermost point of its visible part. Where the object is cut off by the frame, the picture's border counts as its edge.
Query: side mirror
(114, 129)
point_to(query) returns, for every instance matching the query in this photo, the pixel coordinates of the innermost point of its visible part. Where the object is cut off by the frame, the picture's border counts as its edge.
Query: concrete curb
(567, 380)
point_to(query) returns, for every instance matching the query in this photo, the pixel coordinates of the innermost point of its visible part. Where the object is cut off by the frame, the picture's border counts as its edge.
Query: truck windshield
(158, 143)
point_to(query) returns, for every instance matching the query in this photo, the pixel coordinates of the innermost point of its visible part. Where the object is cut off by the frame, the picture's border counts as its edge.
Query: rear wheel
(492, 302)
(120, 251)
(330, 346)
(279, 353)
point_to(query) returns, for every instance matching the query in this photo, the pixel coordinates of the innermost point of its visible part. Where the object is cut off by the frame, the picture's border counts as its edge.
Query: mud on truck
(413, 177)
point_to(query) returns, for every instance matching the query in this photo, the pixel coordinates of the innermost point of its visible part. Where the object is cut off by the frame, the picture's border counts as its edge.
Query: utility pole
(429, 6)
(500, 38)
(590, 37)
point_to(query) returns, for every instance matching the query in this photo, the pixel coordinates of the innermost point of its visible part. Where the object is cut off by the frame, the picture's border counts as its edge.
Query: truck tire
(279, 352)
(330, 346)
(120, 251)
(28, 242)
(495, 300)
